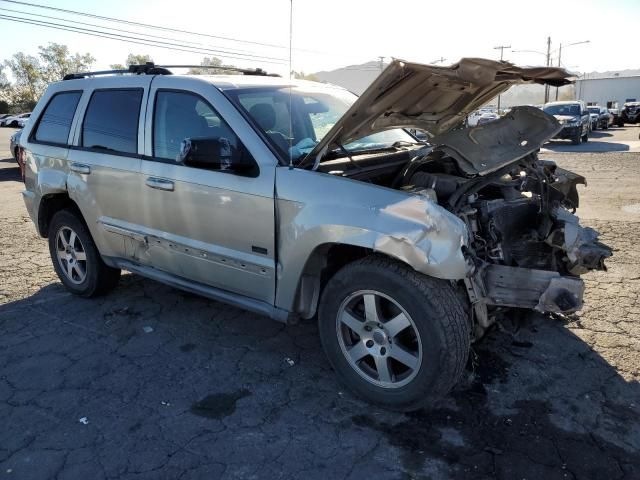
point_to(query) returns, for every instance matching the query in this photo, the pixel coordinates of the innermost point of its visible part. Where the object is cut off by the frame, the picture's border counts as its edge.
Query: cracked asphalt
(152, 383)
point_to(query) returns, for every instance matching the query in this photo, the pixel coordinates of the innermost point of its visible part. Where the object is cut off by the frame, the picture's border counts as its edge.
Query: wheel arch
(51, 204)
(322, 264)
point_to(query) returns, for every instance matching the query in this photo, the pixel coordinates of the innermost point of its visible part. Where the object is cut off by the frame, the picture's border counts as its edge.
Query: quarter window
(111, 121)
(55, 123)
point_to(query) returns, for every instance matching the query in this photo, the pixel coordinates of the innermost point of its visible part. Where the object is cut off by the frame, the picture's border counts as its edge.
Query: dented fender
(315, 209)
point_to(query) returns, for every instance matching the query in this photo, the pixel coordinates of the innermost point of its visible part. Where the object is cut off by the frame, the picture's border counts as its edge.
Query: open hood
(429, 98)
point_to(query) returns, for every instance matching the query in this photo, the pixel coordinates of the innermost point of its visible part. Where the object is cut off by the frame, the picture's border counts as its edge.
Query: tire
(439, 327)
(576, 140)
(98, 277)
(14, 124)
(585, 137)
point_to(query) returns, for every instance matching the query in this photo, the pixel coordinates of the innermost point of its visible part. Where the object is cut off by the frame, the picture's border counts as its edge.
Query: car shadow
(536, 401)
(8, 173)
(591, 146)
(599, 134)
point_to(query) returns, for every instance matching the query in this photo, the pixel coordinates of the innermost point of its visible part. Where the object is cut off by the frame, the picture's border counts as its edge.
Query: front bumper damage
(552, 288)
(545, 290)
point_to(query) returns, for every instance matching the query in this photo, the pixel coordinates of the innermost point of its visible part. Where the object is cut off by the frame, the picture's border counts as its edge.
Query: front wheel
(576, 140)
(395, 337)
(76, 259)
(585, 137)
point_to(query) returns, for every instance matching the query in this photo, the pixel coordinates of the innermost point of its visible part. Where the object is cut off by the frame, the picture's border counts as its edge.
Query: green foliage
(32, 74)
(4, 107)
(211, 62)
(132, 59)
(302, 76)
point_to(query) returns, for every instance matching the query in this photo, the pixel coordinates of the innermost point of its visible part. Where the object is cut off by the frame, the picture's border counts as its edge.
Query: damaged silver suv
(296, 199)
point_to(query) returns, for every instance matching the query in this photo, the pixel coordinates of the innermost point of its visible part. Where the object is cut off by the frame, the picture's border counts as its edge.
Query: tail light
(21, 161)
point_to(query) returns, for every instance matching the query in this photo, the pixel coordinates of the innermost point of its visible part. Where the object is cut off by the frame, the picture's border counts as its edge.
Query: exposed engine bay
(526, 245)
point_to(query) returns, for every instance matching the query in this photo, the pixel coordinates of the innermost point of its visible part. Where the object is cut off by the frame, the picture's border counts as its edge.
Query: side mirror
(217, 154)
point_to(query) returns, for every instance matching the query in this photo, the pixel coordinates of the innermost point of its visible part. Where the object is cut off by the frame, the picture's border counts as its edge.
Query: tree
(211, 62)
(302, 76)
(32, 74)
(58, 62)
(4, 92)
(132, 59)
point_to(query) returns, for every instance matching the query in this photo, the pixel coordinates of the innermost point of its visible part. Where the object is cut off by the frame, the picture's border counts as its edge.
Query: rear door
(210, 226)
(104, 161)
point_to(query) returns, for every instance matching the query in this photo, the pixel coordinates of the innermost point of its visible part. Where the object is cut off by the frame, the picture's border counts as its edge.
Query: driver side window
(182, 120)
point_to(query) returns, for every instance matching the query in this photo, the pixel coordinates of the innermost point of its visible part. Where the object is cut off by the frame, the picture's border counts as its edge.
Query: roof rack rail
(150, 68)
(244, 71)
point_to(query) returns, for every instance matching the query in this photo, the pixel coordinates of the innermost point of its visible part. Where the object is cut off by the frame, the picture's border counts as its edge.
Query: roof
(222, 81)
(230, 82)
(609, 78)
(564, 102)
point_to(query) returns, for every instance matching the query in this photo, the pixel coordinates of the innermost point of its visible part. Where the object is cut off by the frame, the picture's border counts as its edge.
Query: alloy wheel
(71, 255)
(379, 339)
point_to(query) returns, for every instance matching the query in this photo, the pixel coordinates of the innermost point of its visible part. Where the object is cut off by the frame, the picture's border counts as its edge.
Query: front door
(202, 223)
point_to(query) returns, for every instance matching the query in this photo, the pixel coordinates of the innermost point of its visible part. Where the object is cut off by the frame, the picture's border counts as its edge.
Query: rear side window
(111, 121)
(55, 123)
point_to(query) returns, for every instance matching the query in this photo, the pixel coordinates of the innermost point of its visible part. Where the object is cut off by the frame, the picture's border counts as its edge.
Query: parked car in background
(602, 117)
(487, 117)
(594, 114)
(22, 122)
(3, 116)
(14, 144)
(14, 120)
(615, 117)
(630, 113)
(574, 118)
(472, 119)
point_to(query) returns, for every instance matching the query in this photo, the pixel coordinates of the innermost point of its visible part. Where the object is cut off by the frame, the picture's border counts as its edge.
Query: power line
(139, 24)
(168, 29)
(124, 38)
(207, 50)
(230, 50)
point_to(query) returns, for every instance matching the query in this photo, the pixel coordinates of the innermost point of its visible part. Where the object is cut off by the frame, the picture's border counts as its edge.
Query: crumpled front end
(528, 247)
(526, 244)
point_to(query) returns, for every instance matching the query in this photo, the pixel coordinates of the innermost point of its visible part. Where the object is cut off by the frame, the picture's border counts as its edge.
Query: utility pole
(501, 48)
(560, 56)
(546, 87)
(381, 63)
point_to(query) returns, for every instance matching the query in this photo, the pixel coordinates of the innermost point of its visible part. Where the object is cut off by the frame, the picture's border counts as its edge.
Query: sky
(328, 34)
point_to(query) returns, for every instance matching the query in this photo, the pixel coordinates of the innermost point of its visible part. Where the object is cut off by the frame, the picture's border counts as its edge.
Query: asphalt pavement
(151, 383)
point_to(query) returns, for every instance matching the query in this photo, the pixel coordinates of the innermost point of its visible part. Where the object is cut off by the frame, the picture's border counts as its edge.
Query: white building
(610, 92)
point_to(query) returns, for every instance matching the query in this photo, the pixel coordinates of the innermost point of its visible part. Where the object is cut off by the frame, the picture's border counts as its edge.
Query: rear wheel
(76, 259)
(395, 337)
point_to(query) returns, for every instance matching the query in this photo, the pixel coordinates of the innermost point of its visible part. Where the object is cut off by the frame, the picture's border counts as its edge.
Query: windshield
(567, 109)
(295, 125)
(594, 110)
